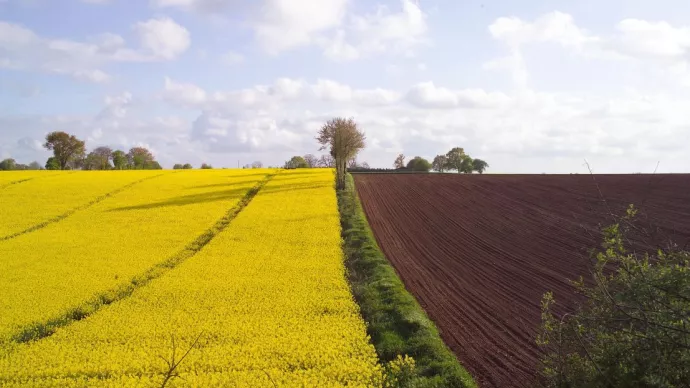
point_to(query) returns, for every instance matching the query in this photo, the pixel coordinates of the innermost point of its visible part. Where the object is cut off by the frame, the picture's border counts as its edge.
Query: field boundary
(396, 323)
(85, 206)
(40, 330)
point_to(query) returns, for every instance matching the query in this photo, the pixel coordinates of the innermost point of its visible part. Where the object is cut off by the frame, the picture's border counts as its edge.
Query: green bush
(634, 328)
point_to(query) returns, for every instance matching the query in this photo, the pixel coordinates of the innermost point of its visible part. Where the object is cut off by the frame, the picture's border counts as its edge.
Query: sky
(528, 86)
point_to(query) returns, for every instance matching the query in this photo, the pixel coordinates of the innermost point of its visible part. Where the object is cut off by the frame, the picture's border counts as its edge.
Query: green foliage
(66, 148)
(205, 166)
(397, 325)
(8, 165)
(154, 166)
(120, 161)
(177, 167)
(52, 164)
(140, 158)
(419, 164)
(466, 165)
(634, 328)
(440, 163)
(187, 166)
(479, 165)
(296, 162)
(456, 159)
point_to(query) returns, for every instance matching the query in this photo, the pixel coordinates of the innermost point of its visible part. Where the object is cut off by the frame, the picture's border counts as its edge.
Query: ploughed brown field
(479, 252)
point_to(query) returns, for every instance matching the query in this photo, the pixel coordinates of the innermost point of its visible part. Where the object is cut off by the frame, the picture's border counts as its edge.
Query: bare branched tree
(344, 139)
(399, 162)
(326, 161)
(311, 160)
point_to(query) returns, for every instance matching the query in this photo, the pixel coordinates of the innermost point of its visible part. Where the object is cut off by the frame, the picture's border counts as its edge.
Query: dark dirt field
(478, 252)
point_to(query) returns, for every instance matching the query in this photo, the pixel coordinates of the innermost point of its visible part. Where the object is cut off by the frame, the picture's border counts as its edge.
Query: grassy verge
(396, 323)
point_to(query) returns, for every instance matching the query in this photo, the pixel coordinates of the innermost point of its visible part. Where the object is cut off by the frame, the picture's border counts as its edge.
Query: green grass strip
(39, 330)
(85, 206)
(396, 323)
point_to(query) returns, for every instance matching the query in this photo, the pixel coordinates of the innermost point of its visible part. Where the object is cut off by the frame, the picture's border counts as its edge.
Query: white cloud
(328, 90)
(656, 43)
(383, 31)
(160, 39)
(183, 94)
(428, 95)
(286, 24)
(656, 40)
(164, 38)
(554, 27)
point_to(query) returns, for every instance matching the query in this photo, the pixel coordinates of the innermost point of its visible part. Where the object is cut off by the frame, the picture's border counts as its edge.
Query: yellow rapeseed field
(46, 273)
(42, 198)
(265, 303)
(8, 178)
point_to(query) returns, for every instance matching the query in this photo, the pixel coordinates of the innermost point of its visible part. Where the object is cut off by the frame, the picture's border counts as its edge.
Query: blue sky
(529, 86)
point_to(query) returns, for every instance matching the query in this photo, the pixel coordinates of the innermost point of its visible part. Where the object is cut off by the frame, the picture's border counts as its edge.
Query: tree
(103, 156)
(205, 166)
(90, 162)
(352, 163)
(326, 161)
(257, 164)
(187, 166)
(479, 165)
(154, 166)
(296, 162)
(440, 163)
(52, 164)
(177, 167)
(311, 160)
(364, 165)
(120, 160)
(455, 158)
(467, 165)
(65, 147)
(419, 164)
(8, 165)
(345, 140)
(35, 166)
(632, 330)
(399, 162)
(140, 158)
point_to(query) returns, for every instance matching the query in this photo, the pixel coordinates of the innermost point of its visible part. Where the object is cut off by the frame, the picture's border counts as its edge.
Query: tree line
(454, 160)
(10, 164)
(69, 153)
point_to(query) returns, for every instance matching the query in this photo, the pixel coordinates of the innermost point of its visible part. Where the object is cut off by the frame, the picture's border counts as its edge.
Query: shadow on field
(229, 183)
(185, 200)
(268, 189)
(221, 195)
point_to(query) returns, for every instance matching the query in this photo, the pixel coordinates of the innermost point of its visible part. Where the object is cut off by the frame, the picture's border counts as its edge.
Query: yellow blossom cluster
(47, 273)
(266, 303)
